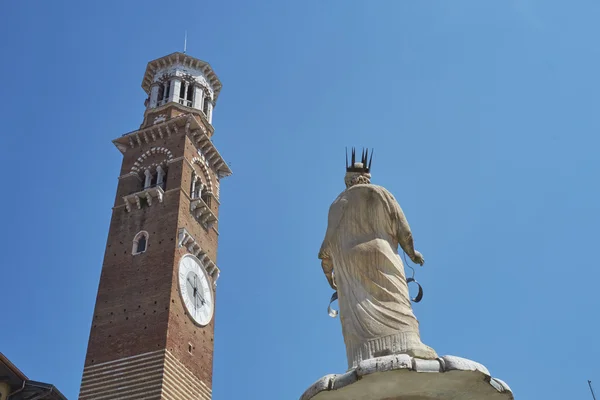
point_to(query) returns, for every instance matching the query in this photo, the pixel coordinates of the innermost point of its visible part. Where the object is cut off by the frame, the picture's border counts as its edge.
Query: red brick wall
(138, 307)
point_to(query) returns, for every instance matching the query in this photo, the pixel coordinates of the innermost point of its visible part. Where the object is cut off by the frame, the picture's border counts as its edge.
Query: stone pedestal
(402, 377)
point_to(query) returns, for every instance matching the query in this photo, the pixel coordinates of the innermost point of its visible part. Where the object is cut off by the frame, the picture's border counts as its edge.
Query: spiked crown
(363, 166)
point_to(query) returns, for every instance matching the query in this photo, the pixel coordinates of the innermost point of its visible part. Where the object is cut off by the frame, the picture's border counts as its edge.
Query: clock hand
(194, 286)
(201, 298)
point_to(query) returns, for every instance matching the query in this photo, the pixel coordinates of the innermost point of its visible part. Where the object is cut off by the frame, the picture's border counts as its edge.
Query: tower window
(182, 90)
(140, 243)
(163, 184)
(205, 106)
(163, 92)
(156, 177)
(190, 93)
(186, 93)
(197, 186)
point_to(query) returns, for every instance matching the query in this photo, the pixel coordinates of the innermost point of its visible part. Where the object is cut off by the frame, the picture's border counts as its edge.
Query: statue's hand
(332, 285)
(331, 281)
(327, 266)
(418, 258)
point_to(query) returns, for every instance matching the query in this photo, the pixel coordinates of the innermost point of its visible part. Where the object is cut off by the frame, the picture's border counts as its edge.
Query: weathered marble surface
(402, 377)
(359, 256)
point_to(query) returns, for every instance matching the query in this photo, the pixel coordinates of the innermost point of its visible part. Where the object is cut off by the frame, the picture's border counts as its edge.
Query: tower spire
(185, 42)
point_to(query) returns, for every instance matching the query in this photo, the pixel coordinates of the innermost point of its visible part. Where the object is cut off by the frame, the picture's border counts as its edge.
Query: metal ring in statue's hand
(420, 294)
(332, 313)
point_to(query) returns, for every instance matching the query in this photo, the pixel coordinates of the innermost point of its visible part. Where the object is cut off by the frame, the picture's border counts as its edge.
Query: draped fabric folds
(365, 226)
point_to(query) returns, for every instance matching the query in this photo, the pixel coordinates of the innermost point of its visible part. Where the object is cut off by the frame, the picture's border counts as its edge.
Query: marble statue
(386, 358)
(360, 259)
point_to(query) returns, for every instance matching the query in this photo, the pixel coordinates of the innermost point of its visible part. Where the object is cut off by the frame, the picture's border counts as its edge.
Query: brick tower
(153, 325)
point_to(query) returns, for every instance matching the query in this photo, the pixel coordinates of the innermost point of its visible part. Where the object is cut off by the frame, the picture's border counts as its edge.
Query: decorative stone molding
(201, 162)
(202, 213)
(217, 190)
(157, 120)
(185, 239)
(208, 94)
(147, 194)
(136, 240)
(402, 376)
(164, 78)
(195, 130)
(138, 165)
(186, 77)
(211, 156)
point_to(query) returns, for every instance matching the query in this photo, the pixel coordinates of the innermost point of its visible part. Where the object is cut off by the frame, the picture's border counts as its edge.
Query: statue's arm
(325, 252)
(327, 265)
(404, 234)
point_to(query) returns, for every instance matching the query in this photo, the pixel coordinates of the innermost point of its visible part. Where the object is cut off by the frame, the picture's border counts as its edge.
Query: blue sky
(483, 116)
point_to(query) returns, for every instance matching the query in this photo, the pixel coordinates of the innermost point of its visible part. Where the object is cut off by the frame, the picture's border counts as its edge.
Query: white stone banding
(155, 374)
(202, 164)
(202, 141)
(138, 164)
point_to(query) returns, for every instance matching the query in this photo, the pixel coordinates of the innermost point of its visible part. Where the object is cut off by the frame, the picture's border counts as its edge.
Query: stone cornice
(183, 109)
(199, 135)
(186, 124)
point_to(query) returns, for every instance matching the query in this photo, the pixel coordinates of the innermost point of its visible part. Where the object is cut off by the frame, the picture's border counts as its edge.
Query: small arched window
(140, 243)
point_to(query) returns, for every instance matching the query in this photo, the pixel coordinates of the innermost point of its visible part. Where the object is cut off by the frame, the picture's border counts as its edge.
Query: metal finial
(185, 43)
(347, 157)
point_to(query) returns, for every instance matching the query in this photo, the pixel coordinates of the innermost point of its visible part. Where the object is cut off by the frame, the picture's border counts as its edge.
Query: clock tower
(153, 325)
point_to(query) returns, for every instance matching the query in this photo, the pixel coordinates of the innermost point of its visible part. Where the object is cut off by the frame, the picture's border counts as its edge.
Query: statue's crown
(363, 165)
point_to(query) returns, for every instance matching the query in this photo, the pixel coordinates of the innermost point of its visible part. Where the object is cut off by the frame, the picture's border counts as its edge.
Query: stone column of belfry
(147, 178)
(152, 329)
(160, 175)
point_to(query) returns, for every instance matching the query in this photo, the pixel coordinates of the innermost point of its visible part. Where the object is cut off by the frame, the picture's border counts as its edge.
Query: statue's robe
(365, 226)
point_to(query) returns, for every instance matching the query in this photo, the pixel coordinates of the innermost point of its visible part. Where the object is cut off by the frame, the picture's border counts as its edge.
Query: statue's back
(360, 214)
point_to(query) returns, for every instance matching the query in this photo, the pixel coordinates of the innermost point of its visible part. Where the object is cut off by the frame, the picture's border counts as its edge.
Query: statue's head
(358, 172)
(356, 178)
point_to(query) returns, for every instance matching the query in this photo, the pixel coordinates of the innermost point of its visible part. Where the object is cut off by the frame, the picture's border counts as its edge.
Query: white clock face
(196, 289)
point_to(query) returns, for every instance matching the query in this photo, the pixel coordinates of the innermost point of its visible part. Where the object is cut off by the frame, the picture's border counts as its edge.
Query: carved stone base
(402, 377)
